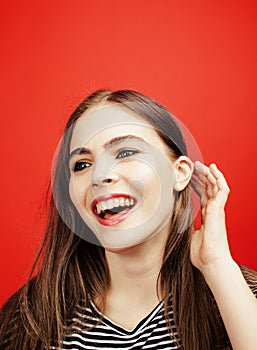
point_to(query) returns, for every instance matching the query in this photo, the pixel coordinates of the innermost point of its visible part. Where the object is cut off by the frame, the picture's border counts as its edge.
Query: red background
(196, 57)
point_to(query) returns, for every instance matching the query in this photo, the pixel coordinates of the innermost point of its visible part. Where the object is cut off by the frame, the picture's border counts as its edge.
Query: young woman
(121, 265)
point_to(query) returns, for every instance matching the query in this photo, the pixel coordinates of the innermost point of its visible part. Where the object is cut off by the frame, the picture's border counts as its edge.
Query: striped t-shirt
(89, 329)
(92, 330)
(150, 333)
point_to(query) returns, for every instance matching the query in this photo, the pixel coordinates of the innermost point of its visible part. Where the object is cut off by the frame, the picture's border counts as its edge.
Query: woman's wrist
(219, 270)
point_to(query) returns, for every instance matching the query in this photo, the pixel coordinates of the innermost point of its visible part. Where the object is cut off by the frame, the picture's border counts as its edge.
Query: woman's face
(122, 177)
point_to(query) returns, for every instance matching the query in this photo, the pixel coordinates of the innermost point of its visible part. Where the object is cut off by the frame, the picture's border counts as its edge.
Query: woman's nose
(104, 180)
(103, 172)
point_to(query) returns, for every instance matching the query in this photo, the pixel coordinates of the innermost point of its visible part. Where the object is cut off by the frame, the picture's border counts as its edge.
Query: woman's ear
(184, 168)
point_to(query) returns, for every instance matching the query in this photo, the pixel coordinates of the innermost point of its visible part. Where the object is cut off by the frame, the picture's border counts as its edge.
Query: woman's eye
(79, 166)
(125, 153)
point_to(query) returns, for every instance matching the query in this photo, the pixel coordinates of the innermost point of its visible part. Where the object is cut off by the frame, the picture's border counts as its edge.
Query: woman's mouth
(112, 209)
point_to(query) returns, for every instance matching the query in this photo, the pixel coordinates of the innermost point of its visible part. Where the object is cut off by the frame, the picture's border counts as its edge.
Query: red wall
(196, 57)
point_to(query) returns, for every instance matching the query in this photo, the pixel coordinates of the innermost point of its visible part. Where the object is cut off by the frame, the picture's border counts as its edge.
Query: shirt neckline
(140, 325)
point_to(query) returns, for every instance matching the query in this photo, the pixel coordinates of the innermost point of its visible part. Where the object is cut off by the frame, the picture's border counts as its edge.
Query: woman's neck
(134, 271)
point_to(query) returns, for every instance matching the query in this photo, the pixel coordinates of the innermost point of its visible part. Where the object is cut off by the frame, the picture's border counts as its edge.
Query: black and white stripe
(93, 331)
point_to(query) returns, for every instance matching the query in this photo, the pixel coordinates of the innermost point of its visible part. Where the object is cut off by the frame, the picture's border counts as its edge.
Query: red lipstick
(115, 218)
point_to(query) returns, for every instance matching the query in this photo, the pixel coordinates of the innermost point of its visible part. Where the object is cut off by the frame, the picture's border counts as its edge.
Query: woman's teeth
(114, 203)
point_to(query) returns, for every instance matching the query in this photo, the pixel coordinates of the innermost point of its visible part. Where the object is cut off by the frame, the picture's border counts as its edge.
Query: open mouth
(114, 208)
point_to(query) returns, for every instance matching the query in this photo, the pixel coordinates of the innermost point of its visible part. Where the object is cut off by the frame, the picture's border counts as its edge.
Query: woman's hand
(210, 254)
(209, 245)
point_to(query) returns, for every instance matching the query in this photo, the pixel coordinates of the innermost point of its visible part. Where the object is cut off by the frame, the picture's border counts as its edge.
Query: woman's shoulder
(11, 317)
(15, 299)
(11, 306)
(250, 277)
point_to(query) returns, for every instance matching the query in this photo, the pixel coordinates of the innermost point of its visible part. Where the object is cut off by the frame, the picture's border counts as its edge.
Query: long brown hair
(72, 269)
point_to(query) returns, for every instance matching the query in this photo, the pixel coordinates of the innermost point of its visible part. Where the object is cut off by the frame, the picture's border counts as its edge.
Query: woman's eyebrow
(78, 151)
(108, 144)
(120, 139)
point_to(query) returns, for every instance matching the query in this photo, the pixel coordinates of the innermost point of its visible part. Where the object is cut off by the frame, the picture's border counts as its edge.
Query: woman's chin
(118, 245)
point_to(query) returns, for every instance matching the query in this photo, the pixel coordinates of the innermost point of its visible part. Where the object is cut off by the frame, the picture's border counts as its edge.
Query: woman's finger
(223, 189)
(197, 185)
(203, 172)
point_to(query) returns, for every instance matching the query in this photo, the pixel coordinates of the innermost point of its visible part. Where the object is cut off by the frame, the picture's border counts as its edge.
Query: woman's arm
(211, 255)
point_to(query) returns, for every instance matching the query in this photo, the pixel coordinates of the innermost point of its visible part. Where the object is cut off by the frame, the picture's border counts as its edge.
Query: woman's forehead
(107, 122)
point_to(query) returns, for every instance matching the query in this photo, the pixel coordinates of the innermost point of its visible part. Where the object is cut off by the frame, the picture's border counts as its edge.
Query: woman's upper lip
(110, 196)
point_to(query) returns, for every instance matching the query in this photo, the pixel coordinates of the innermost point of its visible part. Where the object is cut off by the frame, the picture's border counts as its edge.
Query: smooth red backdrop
(196, 57)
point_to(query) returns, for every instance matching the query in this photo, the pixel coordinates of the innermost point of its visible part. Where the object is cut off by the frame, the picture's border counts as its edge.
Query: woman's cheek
(144, 178)
(78, 190)
(139, 168)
